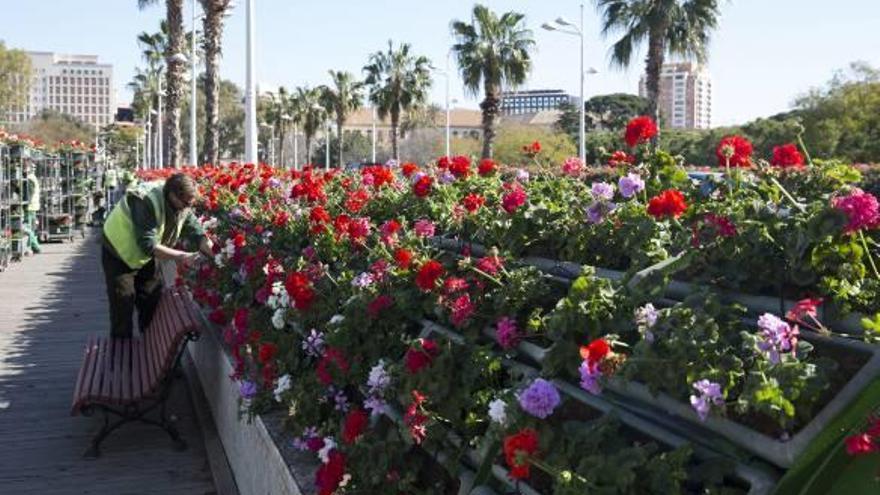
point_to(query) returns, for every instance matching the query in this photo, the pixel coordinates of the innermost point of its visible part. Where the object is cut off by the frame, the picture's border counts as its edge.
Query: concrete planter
(256, 461)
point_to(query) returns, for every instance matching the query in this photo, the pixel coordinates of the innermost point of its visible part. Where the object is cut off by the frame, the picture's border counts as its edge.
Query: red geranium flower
(516, 448)
(355, 424)
(330, 475)
(379, 304)
(408, 169)
(299, 289)
(786, 156)
(268, 350)
(621, 157)
(473, 202)
(460, 166)
(640, 130)
(240, 320)
(414, 418)
(515, 197)
(218, 317)
(422, 187)
(595, 351)
(487, 167)
(532, 150)
(332, 356)
(861, 444)
(421, 356)
(737, 149)
(428, 274)
(669, 203)
(403, 257)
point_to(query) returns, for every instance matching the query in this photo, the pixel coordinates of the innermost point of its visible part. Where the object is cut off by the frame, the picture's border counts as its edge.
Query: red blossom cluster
(422, 187)
(429, 273)
(532, 150)
(735, 151)
(668, 204)
(640, 130)
(513, 198)
(415, 419)
(299, 288)
(330, 474)
(866, 442)
(517, 449)
(333, 358)
(487, 167)
(421, 355)
(787, 156)
(355, 423)
(460, 166)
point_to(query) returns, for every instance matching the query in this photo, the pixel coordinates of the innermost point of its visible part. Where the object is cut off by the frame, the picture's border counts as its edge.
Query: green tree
(309, 113)
(174, 75)
(493, 53)
(675, 27)
(51, 126)
(15, 79)
(276, 109)
(212, 25)
(399, 82)
(555, 146)
(341, 98)
(230, 120)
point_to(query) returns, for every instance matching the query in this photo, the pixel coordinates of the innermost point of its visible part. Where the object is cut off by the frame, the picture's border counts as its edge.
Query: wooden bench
(128, 378)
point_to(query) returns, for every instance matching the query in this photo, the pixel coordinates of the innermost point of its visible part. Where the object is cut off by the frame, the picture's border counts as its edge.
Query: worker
(32, 184)
(111, 185)
(142, 228)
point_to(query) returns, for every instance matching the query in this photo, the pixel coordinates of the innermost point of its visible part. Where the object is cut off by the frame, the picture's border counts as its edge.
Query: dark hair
(182, 185)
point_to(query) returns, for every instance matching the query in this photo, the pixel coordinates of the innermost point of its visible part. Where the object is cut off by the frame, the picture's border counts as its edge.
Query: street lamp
(374, 133)
(250, 134)
(578, 31)
(155, 153)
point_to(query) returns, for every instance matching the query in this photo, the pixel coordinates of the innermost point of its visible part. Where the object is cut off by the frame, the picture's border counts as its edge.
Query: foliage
(51, 127)
(15, 78)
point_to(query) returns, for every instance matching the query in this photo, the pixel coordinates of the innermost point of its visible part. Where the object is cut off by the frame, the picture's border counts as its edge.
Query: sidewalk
(49, 304)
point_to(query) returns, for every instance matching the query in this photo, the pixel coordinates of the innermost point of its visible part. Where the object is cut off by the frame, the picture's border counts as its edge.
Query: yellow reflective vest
(119, 228)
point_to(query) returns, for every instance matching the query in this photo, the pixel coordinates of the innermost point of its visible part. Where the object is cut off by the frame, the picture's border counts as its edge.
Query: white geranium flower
(337, 319)
(498, 411)
(324, 453)
(278, 319)
(281, 386)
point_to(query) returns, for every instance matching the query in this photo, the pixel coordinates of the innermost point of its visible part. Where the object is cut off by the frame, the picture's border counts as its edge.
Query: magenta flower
(861, 208)
(507, 333)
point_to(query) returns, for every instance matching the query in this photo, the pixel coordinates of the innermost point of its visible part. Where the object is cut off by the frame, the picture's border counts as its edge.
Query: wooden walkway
(49, 304)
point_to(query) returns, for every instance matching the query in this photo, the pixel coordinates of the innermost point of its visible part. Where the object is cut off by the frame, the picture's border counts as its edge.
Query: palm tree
(309, 113)
(399, 82)
(679, 27)
(212, 25)
(278, 110)
(342, 98)
(174, 74)
(494, 52)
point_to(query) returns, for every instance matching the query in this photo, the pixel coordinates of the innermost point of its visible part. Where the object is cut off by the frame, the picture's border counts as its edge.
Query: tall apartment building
(76, 85)
(685, 99)
(532, 101)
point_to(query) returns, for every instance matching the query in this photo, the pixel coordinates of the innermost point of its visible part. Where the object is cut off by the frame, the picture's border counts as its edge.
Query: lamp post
(560, 25)
(193, 160)
(250, 128)
(327, 147)
(148, 140)
(154, 152)
(160, 155)
(373, 135)
(295, 147)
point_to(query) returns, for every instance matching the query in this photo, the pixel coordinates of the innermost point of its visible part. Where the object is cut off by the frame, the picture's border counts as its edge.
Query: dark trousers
(128, 289)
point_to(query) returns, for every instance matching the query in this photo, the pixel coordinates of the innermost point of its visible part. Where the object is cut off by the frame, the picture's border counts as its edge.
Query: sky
(762, 56)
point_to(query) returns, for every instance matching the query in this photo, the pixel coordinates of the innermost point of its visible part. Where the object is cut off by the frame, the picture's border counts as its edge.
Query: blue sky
(764, 54)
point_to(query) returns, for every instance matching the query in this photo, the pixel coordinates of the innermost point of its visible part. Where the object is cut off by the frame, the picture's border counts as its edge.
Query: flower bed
(321, 283)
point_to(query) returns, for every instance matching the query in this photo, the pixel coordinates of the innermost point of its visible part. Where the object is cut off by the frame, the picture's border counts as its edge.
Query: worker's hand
(189, 258)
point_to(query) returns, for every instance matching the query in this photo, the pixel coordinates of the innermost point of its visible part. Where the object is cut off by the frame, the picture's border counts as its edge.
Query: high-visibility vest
(119, 227)
(34, 190)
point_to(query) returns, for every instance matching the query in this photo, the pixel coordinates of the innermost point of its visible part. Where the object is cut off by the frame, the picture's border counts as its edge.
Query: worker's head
(181, 191)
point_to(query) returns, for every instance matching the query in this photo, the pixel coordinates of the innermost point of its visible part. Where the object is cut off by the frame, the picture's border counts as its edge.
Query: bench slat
(84, 376)
(98, 372)
(152, 354)
(116, 376)
(107, 380)
(169, 343)
(146, 370)
(125, 392)
(135, 369)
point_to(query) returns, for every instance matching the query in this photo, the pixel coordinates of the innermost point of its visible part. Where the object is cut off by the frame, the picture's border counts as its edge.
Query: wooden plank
(146, 370)
(81, 377)
(165, 330)
(136, 369)
(97, 374)
(126, 371)
(118, 344)
(107, 362)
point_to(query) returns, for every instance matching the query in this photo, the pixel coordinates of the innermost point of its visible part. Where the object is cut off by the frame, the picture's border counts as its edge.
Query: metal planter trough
(760, 480)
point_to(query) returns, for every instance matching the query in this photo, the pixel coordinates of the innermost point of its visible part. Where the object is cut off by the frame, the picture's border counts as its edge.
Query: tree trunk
(489, 106)
(308, 149)
(654, 64)
(174, 82)
(395, 123)
(281, 144)
(212, 25)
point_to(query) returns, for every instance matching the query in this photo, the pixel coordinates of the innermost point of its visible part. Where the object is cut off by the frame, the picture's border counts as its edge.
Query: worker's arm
(147, 232)
(196, 234)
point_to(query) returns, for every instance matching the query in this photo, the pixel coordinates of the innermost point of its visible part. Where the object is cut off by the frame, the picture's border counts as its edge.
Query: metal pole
(250, 134)
(374, 135)
(193, 160)
(137, 155)
(272, 144)
(327, 148)
(295, 149)
(161, 152)
(583, 152)
(447, 115)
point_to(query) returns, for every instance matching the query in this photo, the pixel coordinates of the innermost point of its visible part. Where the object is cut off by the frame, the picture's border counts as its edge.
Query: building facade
(532, 101)
(685, 99)
(75, 85)
(462, 123)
